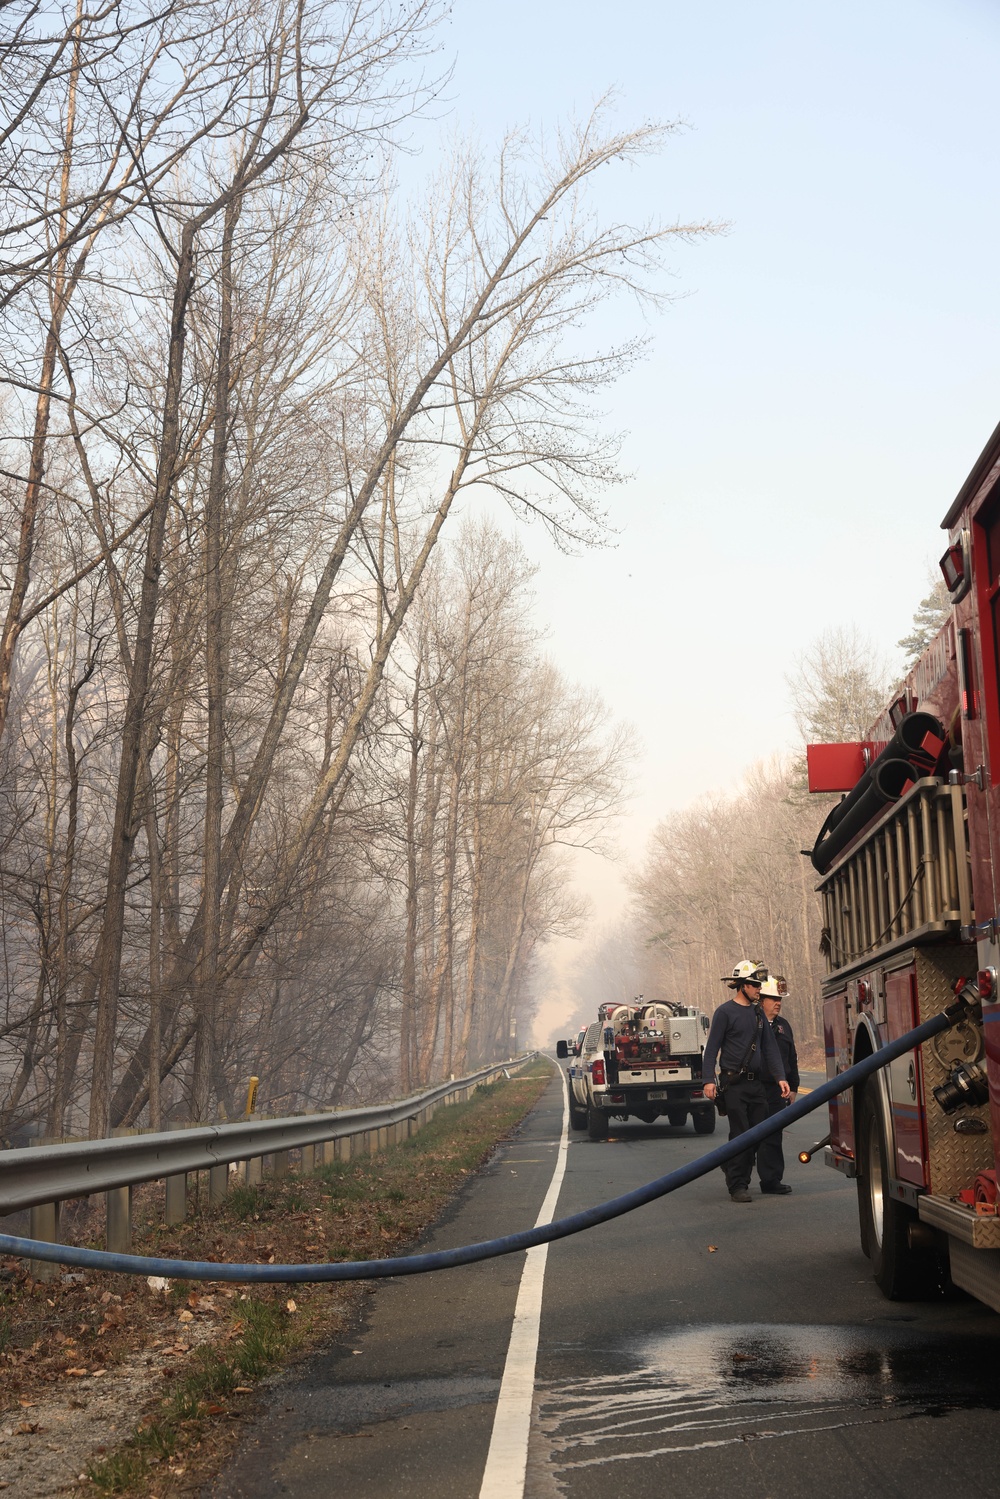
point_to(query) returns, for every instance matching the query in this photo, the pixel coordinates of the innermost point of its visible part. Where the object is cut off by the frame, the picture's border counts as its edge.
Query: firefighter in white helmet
(770, 1157)
(742, 1043)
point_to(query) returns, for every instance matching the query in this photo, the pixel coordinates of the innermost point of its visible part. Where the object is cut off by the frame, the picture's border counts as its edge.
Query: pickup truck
(642, 1061)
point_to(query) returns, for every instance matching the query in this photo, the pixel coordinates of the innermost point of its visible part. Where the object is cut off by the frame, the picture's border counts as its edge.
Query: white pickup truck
(639, 1060)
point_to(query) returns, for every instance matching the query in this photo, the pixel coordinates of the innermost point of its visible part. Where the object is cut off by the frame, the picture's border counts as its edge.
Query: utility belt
(727, 1076)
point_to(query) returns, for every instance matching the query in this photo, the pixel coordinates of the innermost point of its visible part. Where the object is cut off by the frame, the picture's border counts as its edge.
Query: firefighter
(770, 1157)
(742, 1041)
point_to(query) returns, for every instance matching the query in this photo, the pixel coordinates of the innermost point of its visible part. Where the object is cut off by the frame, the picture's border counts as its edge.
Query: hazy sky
(816, 398)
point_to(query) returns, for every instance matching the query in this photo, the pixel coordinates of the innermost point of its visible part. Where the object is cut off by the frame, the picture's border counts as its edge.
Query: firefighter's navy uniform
(743, 1044)
(770, 1157)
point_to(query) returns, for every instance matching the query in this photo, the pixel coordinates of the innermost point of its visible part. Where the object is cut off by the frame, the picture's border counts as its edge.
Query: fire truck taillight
(597, 1072)
(986, 980)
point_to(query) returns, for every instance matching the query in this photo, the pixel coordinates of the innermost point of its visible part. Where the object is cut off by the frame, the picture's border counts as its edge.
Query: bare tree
(264, 396)
(840, 686)
(725, 879)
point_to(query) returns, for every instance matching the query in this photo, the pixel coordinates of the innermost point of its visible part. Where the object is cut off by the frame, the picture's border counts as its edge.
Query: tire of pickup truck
(704, 1121)
(577, 1116)
(597, 1124)
(678, 1117)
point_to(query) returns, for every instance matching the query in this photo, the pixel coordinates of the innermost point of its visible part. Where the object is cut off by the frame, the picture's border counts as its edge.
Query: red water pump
(635, 1045)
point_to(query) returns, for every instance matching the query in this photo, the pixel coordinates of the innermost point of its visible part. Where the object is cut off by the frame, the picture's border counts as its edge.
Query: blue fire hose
(445, 1259)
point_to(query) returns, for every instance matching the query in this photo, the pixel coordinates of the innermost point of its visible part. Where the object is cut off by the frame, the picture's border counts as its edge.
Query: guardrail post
(118, 1220)
(45, 1226)
(218, 1185)
(255, 1171)
(282, 1164)
(175, 1199)
(382, 1138)
(344, 1147)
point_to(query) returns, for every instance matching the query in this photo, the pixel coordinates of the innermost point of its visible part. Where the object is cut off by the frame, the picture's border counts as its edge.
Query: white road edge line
(507, 1461)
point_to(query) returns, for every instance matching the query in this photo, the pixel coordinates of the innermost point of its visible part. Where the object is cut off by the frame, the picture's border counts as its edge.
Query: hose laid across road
(445, 1259)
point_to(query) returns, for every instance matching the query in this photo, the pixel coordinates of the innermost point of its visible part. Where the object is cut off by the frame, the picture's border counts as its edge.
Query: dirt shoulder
(112, 1386)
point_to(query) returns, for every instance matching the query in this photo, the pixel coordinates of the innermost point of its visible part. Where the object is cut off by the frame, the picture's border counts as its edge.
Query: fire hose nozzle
(970, 994)
(805, 1156)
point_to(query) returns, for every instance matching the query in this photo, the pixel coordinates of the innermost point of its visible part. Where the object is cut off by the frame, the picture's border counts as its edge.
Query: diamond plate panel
(954, 1159)
(976, 1271)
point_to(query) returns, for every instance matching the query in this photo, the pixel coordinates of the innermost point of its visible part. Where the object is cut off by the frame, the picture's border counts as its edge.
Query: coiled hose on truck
(445, 1259)
(912, 752)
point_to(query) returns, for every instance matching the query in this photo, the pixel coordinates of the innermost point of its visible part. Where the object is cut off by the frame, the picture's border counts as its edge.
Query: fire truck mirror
(562, 1049)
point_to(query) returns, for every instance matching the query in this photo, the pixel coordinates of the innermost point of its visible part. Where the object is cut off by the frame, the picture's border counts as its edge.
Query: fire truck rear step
(962, 1224)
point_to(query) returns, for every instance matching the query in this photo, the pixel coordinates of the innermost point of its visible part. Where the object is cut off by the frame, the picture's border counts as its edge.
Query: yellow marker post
(252, 1094)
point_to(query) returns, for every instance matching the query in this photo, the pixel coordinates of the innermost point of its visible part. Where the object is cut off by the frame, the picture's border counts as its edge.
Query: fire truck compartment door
(685, 1035)
(905, 1092)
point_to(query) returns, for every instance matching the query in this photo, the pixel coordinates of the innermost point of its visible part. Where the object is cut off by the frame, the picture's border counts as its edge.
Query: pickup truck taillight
(597, 1072)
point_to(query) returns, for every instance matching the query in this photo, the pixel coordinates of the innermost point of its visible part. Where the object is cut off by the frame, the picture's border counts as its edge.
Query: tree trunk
(407, 1030)
(43, 408)
(216, 631)
(123, 832)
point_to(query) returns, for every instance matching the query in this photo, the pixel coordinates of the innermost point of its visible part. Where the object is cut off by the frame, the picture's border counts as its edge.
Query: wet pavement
(699, 1389)
(744, 1350)
(694, 1347)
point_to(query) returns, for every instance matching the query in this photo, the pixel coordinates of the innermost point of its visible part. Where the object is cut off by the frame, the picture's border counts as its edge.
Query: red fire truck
(909, 866)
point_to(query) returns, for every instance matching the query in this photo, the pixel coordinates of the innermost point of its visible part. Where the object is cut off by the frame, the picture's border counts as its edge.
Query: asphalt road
(695, 1347)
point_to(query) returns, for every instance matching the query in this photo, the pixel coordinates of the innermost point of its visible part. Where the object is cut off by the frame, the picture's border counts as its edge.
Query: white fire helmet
(746, 972)
(773, 987)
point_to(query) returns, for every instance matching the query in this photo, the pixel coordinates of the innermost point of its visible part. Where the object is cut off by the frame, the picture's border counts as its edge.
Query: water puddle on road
(702, 1387)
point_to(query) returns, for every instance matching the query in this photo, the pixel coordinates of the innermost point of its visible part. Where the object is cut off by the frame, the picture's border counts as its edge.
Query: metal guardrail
(41, 1177)
(54, 1173)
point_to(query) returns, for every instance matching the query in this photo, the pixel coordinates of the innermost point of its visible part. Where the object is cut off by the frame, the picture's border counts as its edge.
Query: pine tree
(927, 621)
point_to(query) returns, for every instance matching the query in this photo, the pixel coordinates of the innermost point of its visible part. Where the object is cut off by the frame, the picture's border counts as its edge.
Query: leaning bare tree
(464, 382)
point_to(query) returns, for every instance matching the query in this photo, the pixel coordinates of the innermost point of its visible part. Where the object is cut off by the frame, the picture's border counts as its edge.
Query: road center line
(507, 1460)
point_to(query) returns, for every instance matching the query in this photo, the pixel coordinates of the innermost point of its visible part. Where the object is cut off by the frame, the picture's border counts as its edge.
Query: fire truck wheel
(577, 1116)
(901, 1273)
(597, 1124)
(704, 1121)
(678, 1117)
(862, 1186)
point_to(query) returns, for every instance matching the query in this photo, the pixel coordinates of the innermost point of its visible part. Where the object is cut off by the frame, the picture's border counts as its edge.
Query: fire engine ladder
(908, 878)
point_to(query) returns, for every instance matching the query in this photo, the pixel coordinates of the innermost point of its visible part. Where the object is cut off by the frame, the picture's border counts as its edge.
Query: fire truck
(909, 867)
